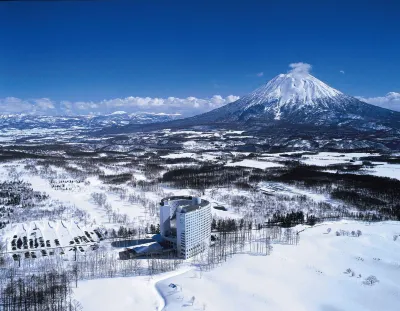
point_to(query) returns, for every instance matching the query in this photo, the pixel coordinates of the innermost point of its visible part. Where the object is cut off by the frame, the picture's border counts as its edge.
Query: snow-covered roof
(146, 248)
(184, 204)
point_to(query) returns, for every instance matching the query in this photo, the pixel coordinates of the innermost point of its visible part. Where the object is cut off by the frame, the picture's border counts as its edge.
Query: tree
(75, 305)
(348, 271)
(75, 271)
(213, 224)
(371, 280)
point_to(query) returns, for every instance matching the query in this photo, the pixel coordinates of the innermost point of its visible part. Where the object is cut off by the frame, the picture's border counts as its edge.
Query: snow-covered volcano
(297, 111)
(291, 90)
(300, 98)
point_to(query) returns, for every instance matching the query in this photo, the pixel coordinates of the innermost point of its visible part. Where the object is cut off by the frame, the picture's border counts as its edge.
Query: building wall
(165, 223)
(193, 231)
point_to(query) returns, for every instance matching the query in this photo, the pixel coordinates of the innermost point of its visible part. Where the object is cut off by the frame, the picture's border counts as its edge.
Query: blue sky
(96, 50)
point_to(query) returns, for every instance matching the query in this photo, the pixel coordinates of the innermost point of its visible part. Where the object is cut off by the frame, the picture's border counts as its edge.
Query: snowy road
(166, 293)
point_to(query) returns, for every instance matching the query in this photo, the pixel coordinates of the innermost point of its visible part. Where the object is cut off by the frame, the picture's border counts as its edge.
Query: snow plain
(385, 170)
(306, 277)
(330, 158)
(325, 159)
(255, 164)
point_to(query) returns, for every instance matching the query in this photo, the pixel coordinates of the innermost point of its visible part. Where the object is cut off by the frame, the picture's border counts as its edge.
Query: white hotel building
(185, 222)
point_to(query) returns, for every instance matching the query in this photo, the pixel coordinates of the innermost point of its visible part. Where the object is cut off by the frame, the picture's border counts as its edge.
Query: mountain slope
(296, 110)
(301, 99)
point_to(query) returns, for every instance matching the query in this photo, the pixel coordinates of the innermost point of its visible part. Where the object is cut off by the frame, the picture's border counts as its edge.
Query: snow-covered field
(325, 159)
(329, 158)
(133, 293)
(81, 196)
(309, 276)
(385, 170)
(255, 164)
(280, 188)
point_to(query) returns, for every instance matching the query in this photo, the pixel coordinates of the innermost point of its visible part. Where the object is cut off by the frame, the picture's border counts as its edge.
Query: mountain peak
(295, 98)
(291, 88)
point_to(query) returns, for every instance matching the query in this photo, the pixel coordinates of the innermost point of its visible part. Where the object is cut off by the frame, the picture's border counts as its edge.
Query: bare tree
(371, 280)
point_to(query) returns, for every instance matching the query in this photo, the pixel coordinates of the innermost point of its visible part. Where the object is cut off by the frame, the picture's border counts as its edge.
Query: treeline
(116, 178)
(206, 176)
(228, 225)
(102, 264)
(281, 217)
(281, 220)
(45, 292)
(382, 158)
(365, 192)
(255, 239)
(291, 219)
(180, 160)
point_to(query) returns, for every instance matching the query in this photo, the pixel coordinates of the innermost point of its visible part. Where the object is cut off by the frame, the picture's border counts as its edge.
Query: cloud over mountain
(44, 106)
(390, 101)
(300, 69)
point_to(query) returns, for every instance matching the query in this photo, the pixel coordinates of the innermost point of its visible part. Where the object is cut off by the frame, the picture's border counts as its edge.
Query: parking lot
(45, 238)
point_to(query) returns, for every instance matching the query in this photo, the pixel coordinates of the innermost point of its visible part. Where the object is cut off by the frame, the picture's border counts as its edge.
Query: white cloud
(186, 106)
(342, 71)
(300, 69)
(43, 104)
(11, 105)
(260, 74)
(390, 101)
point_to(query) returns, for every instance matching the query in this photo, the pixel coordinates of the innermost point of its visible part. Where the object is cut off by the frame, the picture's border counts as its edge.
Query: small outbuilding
(142, 249)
